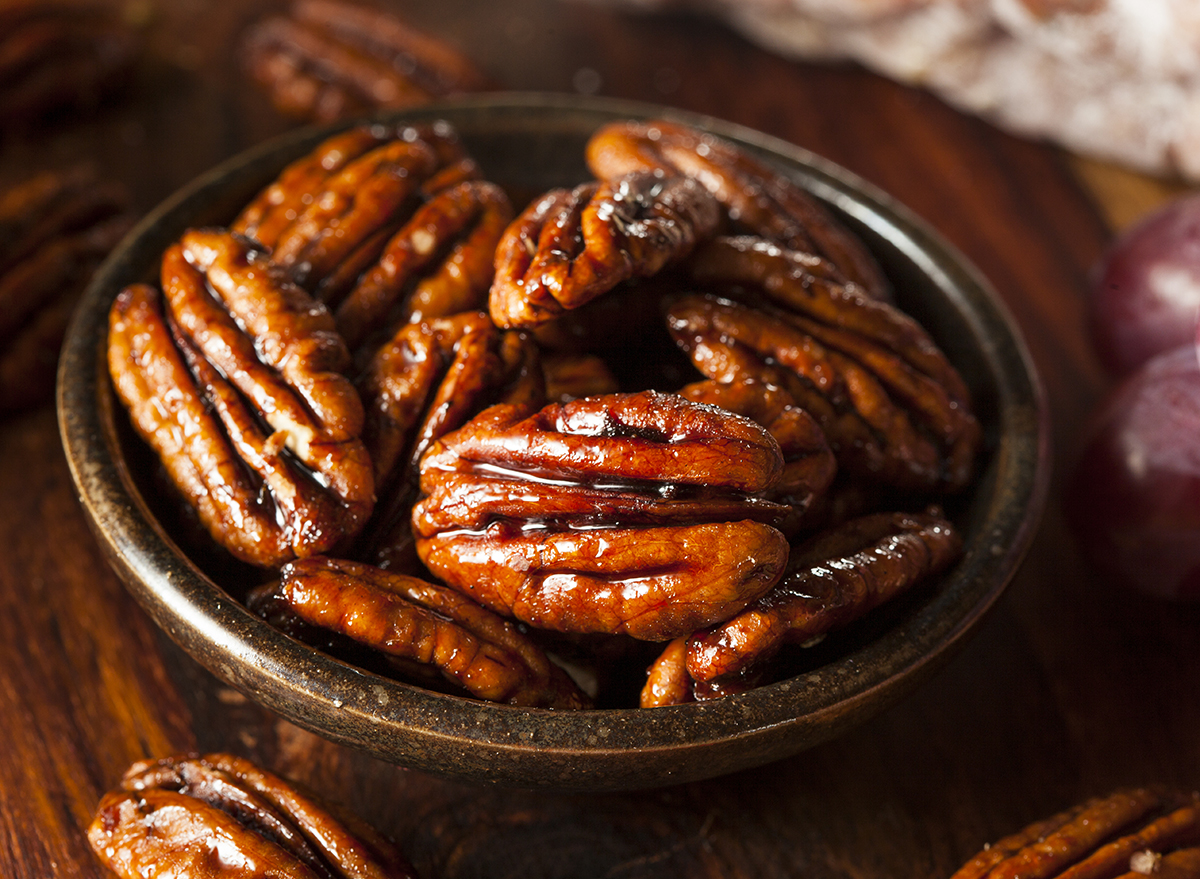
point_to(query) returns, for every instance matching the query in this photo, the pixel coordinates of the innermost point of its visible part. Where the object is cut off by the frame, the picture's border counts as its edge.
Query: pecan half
(220, 815)
(329, 59)
(59, 55)
(809, 465)
(571, 376)
(570, 246)
(429, 379)
(626, 513)
(892, 406)
(352, 204)
(239, 336)
(830, 581)
(439, 263)
(55, 229)
(756, 196)
(1128, 833)
(329, 215)
(410, 618)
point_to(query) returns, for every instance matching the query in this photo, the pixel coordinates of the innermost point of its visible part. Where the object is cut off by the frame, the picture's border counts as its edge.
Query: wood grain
(1069, 689)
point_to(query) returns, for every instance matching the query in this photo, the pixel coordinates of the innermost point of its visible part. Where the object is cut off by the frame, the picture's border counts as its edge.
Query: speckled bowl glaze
(531, 143)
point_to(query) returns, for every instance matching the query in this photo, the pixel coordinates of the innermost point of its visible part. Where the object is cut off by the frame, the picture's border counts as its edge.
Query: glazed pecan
(571, 376)
(439, 263)
(59, 54)
(892, 406)
(830, 581)
(809, 465)
(241, 347)
(55, 229)
(410, 618)
(329, 59)
(570, 246)
(1129, 833)
(220, 815)
(626, 513)
(756, 197)
(429, 379)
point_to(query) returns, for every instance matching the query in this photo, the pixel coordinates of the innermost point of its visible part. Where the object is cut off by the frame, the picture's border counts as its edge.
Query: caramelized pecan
(329, 215)
(428, 380)
(352, 205)
(59, 55)
(329, 59)
(55, 229)
(830, 581)
(892, 406)
(1128, 833)
(410, 618)
(220, 815)
(439, 263)
(239, 336)
(570, 246)
(432, 377)
(626, 513)
(570, 376)
(809, 466)
(756, 197)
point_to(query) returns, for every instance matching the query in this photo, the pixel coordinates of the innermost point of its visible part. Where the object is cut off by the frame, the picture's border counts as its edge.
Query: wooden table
(1068, 690)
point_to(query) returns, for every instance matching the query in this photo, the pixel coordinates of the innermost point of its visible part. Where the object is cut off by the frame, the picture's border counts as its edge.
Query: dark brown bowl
(531, 143)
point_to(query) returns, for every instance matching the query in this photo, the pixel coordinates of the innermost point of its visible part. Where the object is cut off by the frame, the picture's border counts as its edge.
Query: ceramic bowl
(530, 143)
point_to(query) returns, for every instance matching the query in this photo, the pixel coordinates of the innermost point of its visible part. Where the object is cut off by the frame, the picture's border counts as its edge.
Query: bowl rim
(589, 750)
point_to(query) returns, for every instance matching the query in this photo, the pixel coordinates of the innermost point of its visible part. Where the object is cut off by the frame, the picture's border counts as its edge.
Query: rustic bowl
(530, 143)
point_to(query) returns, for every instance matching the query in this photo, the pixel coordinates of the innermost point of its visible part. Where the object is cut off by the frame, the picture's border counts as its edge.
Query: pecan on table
(809, 465)
(756, 197)
(428, 380)
(439, 263)
(570, 246)
(631, 514)
(58, 55)
(55, 229)
(893, 408)
(830, 581)
(1129, 833)
(219, 815)
(239, 347)
(408, 618)
(328, 60)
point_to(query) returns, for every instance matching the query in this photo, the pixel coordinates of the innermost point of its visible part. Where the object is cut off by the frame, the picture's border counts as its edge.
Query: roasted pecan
(756, 196)
(55, 228)
(220, 815)
(570, 246)
(891, 405)
(626, 513)
(410, 618)
(809, 465)
(1129, 833)
(329, 59)
(830, 581)
(439, 263)
(429, 379)
(239, 336)
(59, 55)
(315, 205)
(571, 376)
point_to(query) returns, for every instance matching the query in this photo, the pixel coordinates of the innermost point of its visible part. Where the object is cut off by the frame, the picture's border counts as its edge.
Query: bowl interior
(530, 143)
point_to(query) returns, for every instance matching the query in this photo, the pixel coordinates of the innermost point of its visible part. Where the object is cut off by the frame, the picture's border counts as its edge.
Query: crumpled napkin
(1114, 79)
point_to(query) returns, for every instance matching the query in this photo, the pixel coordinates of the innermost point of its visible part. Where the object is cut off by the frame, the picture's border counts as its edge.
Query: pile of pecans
(672, 406)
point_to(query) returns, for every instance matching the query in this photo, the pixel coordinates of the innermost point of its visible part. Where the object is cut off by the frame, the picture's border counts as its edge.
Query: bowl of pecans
(553, 441)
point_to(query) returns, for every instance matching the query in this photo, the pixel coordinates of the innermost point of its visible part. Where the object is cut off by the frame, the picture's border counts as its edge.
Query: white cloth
(1116, 79)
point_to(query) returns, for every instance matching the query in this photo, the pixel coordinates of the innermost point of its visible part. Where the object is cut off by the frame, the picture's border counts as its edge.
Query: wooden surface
(1068, 690)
